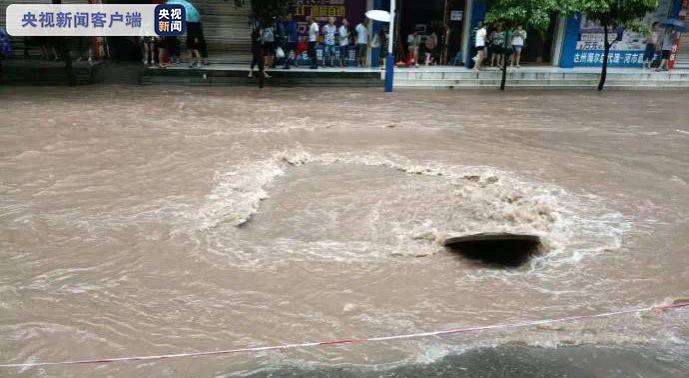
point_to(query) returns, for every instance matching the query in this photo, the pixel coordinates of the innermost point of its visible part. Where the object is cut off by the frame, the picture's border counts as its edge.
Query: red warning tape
(356, 341)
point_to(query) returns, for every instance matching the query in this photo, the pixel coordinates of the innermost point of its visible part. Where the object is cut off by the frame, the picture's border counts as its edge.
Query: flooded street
(153, 220)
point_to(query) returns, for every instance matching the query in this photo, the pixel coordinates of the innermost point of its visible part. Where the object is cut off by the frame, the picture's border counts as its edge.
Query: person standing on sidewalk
(497, 43)
(413, 42)
(343, 35)
(196, 42)
(280, 42)
(481, 34)
(313, 41)
(651, 43)
(268, 37)
(431, 44)
(329, 31)
(666, 47)
(291, 31)
(257, 55)
(518, 39)
(361, 43)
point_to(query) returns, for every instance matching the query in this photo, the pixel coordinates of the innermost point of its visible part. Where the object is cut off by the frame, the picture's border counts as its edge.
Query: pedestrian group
(280, 41)
(500, 47)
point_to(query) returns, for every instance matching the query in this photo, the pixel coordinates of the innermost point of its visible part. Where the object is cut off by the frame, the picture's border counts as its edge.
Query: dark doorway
(539, 44)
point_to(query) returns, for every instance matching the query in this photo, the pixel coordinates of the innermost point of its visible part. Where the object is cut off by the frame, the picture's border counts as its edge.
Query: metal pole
(390, 59)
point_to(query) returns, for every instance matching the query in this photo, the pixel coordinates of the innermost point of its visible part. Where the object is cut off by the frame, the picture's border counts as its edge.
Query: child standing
(413, 42)
(431, 45)
(149, 50)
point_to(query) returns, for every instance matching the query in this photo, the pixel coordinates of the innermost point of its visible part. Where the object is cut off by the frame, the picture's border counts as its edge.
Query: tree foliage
(615, 13)
(533, 14)
(264, 11)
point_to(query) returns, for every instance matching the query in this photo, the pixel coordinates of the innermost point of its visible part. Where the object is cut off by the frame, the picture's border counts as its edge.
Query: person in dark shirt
(257, 54)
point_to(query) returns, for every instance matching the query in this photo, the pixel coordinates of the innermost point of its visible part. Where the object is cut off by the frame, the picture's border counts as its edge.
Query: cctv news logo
(163, 20)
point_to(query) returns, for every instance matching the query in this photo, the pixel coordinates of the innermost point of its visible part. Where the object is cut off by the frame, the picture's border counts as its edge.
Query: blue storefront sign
(627, 46)
(616, 58)
(582, 45)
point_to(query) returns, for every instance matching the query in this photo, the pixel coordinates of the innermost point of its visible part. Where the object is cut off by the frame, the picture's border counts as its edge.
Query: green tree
(612, 14)
(263, 11)
(532, 14)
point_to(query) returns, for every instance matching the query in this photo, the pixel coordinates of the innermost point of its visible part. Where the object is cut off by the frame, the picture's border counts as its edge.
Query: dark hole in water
(499, 250)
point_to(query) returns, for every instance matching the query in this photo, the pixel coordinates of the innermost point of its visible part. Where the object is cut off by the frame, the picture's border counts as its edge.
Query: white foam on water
(572, 226)
(238, 193)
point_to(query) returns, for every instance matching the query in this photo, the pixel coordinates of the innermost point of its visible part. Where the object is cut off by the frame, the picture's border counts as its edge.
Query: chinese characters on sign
(170, 20)
(78, 20)
(615, 58)
(320, 8)
(96, 20)
(627, 47)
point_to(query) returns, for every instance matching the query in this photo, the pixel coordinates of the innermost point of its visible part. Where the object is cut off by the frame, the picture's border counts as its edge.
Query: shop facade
(583, 40)
(454, 22)
(321, 10)
(569, 42)
(578, 42)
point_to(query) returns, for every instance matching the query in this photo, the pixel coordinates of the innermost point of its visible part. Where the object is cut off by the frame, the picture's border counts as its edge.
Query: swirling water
(155, 220)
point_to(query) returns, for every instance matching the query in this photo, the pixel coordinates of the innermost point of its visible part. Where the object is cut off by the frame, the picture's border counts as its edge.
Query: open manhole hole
(497, 249)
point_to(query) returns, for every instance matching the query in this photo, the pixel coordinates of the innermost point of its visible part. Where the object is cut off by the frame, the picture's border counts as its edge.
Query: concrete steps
(31, 72)
(682, 58)
(542, 82)
(456, 79)
(280, 78)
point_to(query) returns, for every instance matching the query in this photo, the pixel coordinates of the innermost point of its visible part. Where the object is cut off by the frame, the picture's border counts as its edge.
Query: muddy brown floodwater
(154, 220)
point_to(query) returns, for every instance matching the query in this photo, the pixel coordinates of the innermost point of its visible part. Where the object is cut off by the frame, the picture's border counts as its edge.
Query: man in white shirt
(361, 43)
(313, 40)
(480, 46)
(343, 34)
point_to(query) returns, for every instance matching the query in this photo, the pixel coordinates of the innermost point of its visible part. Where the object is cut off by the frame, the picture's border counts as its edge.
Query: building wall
(567, 34)
(630, 55)
(476, 9)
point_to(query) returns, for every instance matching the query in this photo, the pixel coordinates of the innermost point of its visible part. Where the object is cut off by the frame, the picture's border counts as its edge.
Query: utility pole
(390, 58)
